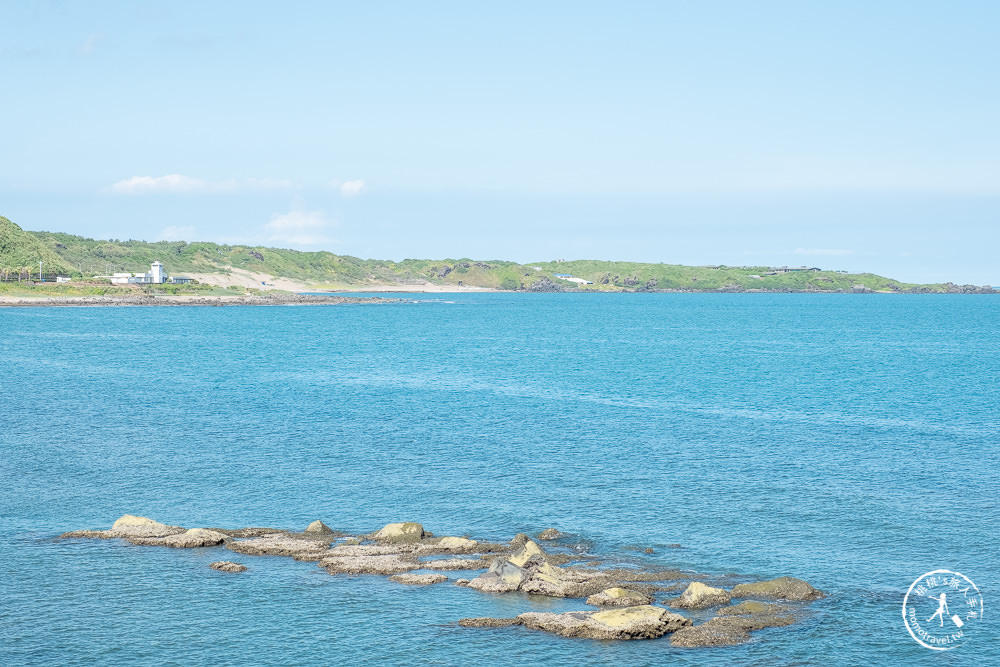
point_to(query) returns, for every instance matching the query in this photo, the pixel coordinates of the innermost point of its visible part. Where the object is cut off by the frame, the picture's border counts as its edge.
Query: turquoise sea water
(850, 440)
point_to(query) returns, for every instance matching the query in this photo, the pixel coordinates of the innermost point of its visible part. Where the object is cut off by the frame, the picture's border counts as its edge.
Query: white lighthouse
(157, 275)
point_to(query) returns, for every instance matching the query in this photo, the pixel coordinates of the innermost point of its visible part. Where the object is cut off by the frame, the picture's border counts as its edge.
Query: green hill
(80, 256)
(20, 252)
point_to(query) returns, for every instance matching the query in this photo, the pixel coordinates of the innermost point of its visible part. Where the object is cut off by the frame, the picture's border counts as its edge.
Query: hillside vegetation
(79, 256)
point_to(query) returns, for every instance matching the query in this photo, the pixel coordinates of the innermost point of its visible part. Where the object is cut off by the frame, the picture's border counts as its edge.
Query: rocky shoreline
(187, 300)
(625, 597)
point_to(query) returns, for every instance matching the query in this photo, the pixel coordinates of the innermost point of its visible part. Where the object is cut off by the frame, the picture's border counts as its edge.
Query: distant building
(181, 280)
(155, 276)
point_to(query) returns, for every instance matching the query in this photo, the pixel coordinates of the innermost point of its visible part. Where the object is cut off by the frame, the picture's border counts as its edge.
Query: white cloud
(825, 252)
(169, 183)
(352, 188)
(179, 183)
(299, 227)
(176, 233)
(90, 44)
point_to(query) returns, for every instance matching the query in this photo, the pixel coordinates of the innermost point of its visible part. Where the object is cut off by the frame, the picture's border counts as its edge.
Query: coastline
(191, 300)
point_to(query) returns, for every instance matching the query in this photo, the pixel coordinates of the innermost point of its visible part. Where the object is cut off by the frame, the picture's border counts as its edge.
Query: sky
(860, 136)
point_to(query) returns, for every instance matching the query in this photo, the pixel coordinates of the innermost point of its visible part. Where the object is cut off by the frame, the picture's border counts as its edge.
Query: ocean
(852, 441)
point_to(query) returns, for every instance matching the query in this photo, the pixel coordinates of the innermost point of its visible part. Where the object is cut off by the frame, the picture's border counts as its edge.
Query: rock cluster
(782, 588)
(401, 550)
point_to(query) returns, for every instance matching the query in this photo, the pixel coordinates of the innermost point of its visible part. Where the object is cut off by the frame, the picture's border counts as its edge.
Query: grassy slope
(21, 251)
(76, 255)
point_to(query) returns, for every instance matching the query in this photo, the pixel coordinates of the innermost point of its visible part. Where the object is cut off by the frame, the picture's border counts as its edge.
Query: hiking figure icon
(941, 610)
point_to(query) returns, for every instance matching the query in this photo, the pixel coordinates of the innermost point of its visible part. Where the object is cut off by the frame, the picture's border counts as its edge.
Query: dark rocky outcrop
(487, 622)
(549, 534)
(227, 566)
(418, 579)
(782, 588)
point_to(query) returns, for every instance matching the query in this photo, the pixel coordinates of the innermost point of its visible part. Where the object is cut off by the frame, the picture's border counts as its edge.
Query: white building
(155, 276)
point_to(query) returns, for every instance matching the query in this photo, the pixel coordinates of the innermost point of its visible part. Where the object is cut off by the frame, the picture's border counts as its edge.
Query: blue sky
(846, 135)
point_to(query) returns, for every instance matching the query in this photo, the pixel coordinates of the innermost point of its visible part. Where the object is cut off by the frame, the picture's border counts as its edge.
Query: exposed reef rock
(130, 526)
(400, 532)
(699, 596)
(643, 622)
(418, 579)
(550, 534)
(140, 526)
(782, 588)
(196, 537)
(280, 544)
(319, 527)
(388, 564)
(619, 597)
(227, 566)
(453, 564)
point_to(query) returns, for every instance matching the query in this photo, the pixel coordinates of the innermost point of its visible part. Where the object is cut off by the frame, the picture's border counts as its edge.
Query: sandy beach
(261, 281)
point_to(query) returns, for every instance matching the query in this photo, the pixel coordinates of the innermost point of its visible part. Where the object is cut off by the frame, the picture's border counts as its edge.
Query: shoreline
(190, 300)
(372, 294)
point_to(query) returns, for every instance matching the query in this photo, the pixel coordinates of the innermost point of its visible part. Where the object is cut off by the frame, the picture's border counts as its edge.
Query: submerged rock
(752, 615)
(699, 596)
(733, 625)
(642, 622)
(782, 588)
(400, 532)
(418, 579)
(487, 622)
(715, 632)
(319, 527)
(227, 566)
(619, 597)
